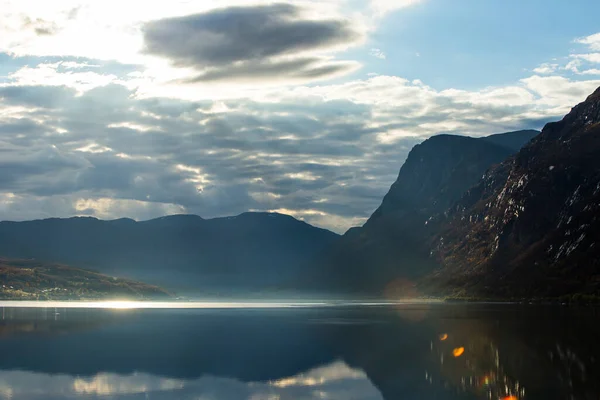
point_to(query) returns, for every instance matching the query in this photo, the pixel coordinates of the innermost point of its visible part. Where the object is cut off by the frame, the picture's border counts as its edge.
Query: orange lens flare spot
(510, 398)
(443, 336)
(459, 351)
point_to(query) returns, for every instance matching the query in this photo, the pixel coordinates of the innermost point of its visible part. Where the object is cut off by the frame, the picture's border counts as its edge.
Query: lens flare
(457, 352)
(443, 336)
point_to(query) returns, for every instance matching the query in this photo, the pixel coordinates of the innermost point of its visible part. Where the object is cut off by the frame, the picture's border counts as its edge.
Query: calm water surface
(339, 353)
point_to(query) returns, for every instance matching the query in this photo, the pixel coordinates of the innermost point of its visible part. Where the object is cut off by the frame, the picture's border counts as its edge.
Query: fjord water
(410, 351)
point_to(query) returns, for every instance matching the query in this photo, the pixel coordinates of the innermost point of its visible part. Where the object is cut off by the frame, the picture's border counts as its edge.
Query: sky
(216, 107)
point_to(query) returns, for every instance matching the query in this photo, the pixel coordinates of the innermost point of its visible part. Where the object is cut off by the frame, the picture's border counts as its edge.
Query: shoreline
(267, 304)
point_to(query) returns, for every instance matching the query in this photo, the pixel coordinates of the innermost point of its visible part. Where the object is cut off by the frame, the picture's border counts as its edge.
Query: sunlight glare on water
(126, 304)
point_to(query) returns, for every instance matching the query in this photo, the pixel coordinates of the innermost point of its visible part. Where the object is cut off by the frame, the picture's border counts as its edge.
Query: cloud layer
(251, 42)
(326, 154)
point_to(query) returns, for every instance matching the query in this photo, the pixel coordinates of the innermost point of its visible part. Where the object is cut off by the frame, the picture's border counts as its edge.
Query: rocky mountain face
(531, 226)
(391, 249)
(438, 171)
(183, 253)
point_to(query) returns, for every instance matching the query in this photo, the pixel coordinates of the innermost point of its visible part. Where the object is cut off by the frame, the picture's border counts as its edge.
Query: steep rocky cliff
(531, 226)
(391, 249)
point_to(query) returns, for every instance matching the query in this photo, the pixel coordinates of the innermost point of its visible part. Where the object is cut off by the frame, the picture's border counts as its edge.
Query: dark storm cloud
(224, 36)
(248, 42)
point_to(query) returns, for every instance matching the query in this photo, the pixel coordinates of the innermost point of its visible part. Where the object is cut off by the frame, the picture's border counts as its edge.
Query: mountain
(530, 226)
(438, 171)
(390, 250)
(183, 253)
(512, 140)
(33, 280)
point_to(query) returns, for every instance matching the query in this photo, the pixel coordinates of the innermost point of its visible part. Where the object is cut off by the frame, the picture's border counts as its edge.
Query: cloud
(593, 71)
(251, 42)
(546, 68)
(592, 41)
(586, 61)
(297, 42)
(88, 28)
(325, 154)
(589, 57)
(34, 95)
(580, 62)
(40, 26)
(295, 69)
(377, 53)
(211, 172)
(382, 7)
(29, 207)
(48, 74)
(558, 90)
(239, 34)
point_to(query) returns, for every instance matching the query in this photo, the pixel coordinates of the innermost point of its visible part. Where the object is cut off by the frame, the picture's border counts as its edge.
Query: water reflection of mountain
(177, 343)
(519, 352)
(48, 321)
(528, 353)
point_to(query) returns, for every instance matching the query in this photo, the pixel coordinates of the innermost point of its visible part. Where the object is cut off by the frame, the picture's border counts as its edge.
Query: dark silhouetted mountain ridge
(185, 253)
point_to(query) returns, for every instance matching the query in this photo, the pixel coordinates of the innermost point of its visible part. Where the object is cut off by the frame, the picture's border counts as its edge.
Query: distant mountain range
(512, 215)
(183, 253)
